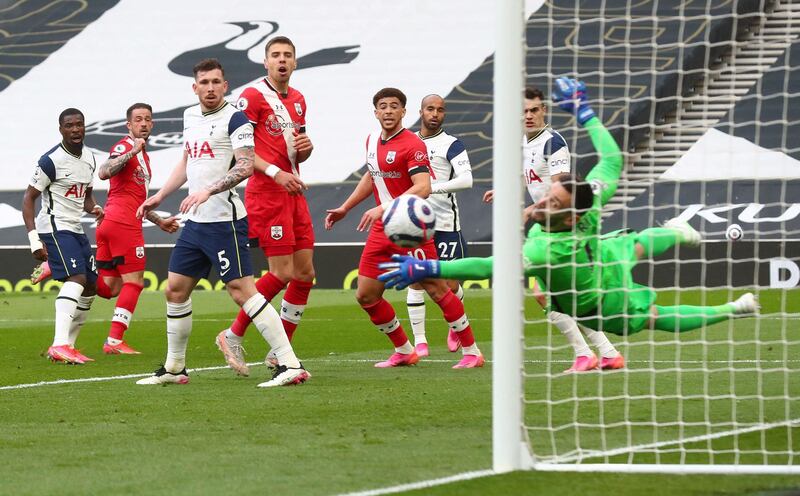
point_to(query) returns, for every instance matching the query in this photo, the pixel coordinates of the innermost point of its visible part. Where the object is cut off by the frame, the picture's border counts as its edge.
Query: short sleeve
(249, 102)
(240, 130)
(458, 158)
(121, 148)
(417, 159)
(44, 174)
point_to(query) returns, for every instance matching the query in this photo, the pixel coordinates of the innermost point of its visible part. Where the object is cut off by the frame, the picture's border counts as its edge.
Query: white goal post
(698, 96)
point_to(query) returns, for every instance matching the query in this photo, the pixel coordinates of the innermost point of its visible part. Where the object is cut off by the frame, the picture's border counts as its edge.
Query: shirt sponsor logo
(195, 151)
(419, 156)
(276, 125)
(390, 157)
(276, 232)
(244, 136)
(386, 174)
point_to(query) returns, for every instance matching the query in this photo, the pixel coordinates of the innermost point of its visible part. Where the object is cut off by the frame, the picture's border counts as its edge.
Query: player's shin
(415, 301)
(456, 317)
(268, 323)
(126, 304)
(81, 313)
(600, 341)
(382, 314)
(179, 327)
(569, 328)
(683, 318)
(294, 304)
(66, 307)
(268, 286)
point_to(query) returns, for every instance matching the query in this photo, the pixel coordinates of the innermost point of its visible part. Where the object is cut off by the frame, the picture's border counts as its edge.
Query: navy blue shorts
(222, 245)
(69, 254)
(450, 245)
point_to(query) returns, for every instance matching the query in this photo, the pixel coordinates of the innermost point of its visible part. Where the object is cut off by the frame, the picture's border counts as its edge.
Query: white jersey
(209, 141)
(452, 172)
(63, 179)
(544, 155)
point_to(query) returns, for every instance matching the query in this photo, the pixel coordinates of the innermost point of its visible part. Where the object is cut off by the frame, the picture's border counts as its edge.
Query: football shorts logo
(276, 232)
(140, 252)
(298, 108)
(420, 156)
(390, 157)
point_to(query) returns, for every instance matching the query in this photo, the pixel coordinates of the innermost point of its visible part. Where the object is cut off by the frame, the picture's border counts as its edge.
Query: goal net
(699, 96)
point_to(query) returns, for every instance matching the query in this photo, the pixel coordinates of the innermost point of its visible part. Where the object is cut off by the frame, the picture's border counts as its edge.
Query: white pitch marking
(424, 484)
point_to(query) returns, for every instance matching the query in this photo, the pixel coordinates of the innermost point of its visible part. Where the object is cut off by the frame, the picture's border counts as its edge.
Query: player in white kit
(218, 155)
(451, 173)
(545, 154)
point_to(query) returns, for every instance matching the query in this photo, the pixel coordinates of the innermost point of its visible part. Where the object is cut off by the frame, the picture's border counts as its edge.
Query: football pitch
(90, 430)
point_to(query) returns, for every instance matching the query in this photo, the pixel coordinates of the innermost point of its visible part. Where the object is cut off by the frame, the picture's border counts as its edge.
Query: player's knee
(305, 275)
(366, 299)
(436, 288)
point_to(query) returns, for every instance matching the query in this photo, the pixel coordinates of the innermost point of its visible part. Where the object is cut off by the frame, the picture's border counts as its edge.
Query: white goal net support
(701, 98)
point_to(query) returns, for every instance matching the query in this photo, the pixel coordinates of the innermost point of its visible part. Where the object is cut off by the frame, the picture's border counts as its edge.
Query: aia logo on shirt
(199, 150)
(76, 190)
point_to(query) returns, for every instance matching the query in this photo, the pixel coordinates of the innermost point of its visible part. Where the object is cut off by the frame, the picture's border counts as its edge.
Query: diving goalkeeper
(587, 275)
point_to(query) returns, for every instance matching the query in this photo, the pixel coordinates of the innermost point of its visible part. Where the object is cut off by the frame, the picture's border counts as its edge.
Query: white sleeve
(242, 136)
(559, 162)
(462, 171)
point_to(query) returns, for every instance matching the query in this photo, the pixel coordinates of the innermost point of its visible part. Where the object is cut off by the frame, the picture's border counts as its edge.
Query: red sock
(294, 304)
(103, 291)
(269, 286)
(453, 310)
(126, 304)
(382, 315)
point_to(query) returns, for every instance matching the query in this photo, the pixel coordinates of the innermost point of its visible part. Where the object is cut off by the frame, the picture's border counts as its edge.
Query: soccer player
(397, 164)
(280, 222)
(588, 276)
(218, 155)
(451, 173)
(545, 155)
(120, 243)
(65, 175)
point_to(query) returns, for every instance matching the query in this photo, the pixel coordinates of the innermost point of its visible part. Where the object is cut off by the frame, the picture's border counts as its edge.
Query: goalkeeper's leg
(683, 318)
(656, 240)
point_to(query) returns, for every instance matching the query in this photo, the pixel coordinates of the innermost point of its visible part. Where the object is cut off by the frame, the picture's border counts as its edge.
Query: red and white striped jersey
(392, 162)
(275, 117)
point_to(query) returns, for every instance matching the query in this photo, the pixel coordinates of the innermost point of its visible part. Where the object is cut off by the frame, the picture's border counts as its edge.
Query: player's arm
(361, 192)
(405, 270)
(293, 184)
(28, 217)
(241, 170)
(176, 179)
(302, 145)
(90, 206)
(116, 163)
(462, 171)
(170, 224)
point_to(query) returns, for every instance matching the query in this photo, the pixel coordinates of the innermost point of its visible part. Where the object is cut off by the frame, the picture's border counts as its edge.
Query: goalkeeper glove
(405, 270)
(570, 95)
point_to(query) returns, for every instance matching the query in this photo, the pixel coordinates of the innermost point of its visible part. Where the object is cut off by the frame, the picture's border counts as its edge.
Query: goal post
(700, 98)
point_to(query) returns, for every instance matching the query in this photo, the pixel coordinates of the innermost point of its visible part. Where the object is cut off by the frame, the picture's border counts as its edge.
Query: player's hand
(191, 202)
(138, 145)
(527, 212)
(570, 95)
(369, 218)
(292, 183)
(302, 143)
(170, 224)
(98, 213)
(334, 216)
(148, 205)
(488, 196)
(41, 255)
(404, 271)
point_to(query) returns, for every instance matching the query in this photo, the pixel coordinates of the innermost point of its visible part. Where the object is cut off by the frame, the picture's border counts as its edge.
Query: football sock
(415, 301)
(179, 327)
(600, 341)
(232, 337)
(126, 304)
(103, 291)
(66, 305)
(570, 330)
(294, 304)
(453, 311)
(383, 316)
(268, 323)
(460, 292)
(81, 313)
(657, 240)
(687, 317)
(268, 285)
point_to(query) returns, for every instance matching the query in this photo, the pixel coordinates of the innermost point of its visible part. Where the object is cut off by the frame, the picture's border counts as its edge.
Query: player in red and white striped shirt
(397, 163)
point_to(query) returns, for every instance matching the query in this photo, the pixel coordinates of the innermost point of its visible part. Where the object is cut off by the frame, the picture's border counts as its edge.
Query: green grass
(353, 427)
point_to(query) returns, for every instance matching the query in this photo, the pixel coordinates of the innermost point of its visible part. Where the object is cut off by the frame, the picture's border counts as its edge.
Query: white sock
(406, 349)
(179, 328)
(269, 324)
(291, 312)
(415, 301)
(66, 305)
(81, 313)
(471, 350)
(232, 337)
(600, 341)
(570, 330)
(460, 292)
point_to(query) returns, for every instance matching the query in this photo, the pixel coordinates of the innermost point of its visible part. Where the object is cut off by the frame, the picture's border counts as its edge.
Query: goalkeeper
(587, 275)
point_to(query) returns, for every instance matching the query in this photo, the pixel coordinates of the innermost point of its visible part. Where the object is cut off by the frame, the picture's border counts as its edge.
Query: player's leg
(302, 278)
(415, 304)
(451, 246)
(682, 318)
(87, 297)
(109, 283)
(656, 240)
(457, 321)
(132, 286)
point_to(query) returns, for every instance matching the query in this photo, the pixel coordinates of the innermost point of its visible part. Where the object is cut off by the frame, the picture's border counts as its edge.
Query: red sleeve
(251, 102)
(417, 158)
(122, 147)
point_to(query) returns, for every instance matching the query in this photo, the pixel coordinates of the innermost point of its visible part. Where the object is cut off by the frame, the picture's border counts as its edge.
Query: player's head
(139, 118)
(71, 125)
(390, 108)
(279, 59)
(432, 112)
(535, 110)
(209, 84)
(568, 198)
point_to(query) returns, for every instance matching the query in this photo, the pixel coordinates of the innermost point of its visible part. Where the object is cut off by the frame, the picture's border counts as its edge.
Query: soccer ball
(734, 232)
(409, 221)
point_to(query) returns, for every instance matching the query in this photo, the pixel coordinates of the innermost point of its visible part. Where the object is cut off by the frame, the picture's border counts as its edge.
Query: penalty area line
(464, 476)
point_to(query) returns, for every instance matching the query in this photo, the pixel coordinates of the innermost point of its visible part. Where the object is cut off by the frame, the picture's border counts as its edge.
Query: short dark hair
(581, 191)
(388, 93)
(135, 106)
(70, 111)
(532, 92)
(206, 65)
(279, 39)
